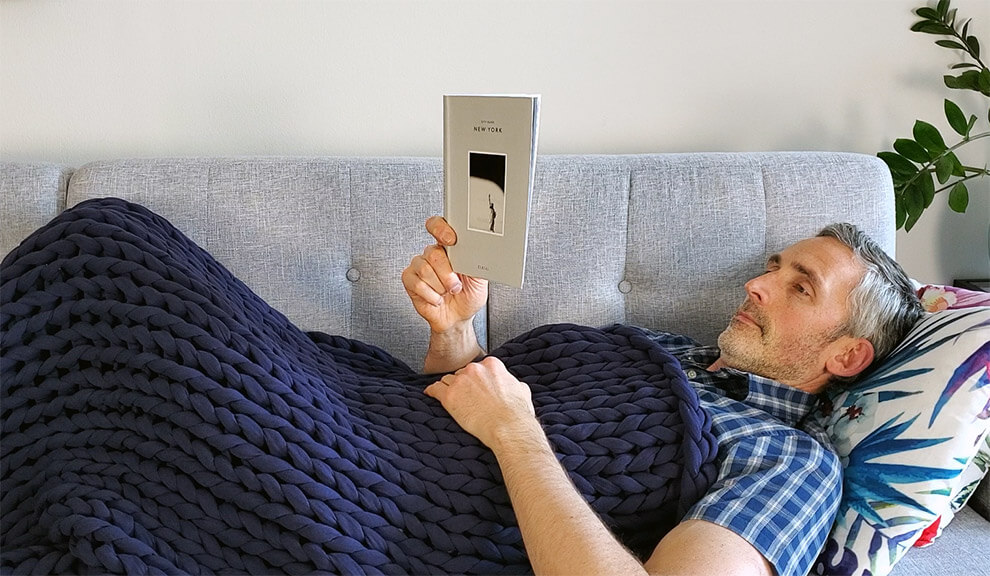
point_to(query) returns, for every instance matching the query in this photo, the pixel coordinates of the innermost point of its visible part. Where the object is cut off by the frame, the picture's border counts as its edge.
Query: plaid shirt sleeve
(779, 490)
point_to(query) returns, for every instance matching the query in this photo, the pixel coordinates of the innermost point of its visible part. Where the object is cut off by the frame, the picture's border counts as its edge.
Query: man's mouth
(747, 315)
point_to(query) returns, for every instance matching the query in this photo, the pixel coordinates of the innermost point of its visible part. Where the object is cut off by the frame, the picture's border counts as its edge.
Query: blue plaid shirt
(779, 480)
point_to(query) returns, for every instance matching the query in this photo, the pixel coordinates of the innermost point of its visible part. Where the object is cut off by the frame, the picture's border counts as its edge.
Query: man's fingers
(421, 281)
(493, 363)
(441, 231)
(429, 276)
(431, 390)
(437, 389)
(437, 258)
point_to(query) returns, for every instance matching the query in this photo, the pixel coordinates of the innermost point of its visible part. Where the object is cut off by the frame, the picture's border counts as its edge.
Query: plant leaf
(943, 8)
(929, 27)
(929, 137)
(898, 164)
(974, 46)
(957, 168)
(910, 220)
(950, 44)
(959, 197)
(943, 169)
(963, 65)
(911, 150)
(928, 13)
(914, 204)
(955, 117)
(968, 80)
(926, 187)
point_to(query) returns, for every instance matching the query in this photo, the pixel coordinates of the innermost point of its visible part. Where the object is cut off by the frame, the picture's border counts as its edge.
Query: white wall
(83, 80)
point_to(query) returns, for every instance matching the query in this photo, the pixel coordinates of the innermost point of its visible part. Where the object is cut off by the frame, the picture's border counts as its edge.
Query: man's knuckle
(434, 254)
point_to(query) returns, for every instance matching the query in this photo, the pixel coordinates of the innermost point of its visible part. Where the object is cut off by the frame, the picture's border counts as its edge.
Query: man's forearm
(562, 534)
(453, 349)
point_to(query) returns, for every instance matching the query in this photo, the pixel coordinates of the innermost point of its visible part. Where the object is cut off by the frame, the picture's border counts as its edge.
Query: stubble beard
(762, 351)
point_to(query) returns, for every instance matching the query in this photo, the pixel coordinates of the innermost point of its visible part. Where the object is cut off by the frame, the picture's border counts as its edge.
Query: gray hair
(883, 307)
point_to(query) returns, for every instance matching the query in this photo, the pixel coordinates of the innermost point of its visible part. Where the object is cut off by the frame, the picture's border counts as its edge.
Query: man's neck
(815, 385)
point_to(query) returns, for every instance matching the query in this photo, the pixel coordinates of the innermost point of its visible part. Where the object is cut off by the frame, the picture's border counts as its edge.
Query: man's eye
(800, 288)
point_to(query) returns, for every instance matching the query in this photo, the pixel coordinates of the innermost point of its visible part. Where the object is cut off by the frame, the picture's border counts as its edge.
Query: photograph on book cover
(486, 192)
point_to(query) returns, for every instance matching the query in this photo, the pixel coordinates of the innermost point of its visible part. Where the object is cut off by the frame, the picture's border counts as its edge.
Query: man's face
(793, 313)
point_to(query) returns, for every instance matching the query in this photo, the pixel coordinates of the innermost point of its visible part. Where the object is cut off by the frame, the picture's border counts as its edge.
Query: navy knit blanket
(158, 416)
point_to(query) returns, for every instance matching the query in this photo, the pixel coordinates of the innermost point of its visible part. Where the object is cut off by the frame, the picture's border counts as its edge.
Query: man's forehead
(822, 258)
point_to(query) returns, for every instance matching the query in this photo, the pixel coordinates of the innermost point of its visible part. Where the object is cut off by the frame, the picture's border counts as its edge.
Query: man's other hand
(488, 402)
(441, 296)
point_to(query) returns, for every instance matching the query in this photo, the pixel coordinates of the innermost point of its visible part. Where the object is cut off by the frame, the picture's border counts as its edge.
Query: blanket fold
(158, 416)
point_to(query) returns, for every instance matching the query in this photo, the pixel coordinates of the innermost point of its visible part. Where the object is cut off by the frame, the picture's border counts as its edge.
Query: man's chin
(736, 331)
(732, 345)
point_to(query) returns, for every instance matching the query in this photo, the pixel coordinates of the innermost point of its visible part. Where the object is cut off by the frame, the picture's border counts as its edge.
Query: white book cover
(489, 159)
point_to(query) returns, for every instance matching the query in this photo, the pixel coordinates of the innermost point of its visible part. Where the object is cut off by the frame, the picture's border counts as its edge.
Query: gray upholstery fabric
(961, 550)
(30, 196)
(664, 241)
(667, 241)
(576, 249)
(322, 240)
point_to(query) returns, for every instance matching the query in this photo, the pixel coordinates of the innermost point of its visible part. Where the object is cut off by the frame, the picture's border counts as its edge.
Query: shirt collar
(785, 403)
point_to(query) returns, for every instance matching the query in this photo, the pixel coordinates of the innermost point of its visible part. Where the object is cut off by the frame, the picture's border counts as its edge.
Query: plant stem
(968, 50)
(978, 174)
(924, 169)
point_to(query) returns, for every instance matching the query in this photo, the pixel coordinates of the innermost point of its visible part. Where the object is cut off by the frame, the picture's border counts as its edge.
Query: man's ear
(854, 356)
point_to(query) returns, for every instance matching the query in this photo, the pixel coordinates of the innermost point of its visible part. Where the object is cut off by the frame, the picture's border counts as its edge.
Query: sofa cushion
(666, 241)
(323, 240)
(905, 433)
(30, 195)
(956, 554)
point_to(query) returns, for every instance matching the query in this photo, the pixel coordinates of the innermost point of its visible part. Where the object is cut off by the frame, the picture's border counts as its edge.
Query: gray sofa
(661, 241)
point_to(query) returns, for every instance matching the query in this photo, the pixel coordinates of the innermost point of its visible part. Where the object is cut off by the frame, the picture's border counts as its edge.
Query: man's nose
(758, 289)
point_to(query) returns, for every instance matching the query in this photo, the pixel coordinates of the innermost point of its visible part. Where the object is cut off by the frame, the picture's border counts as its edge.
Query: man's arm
(446, 300)
(562, 534)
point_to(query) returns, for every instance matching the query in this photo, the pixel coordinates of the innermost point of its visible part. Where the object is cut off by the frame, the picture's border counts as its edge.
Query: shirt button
(353, 274)
(625, 286)
(691, 374)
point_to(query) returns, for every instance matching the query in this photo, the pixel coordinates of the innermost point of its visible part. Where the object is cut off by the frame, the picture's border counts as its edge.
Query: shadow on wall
(964, 242)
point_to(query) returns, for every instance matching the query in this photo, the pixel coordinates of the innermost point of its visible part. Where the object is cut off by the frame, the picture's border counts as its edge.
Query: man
(823, 311)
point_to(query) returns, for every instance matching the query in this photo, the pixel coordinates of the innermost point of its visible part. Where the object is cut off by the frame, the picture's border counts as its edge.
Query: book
(489, 160)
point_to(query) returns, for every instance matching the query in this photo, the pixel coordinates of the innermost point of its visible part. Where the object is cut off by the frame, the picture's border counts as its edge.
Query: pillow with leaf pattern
(935, 298)
(905, 432)
(969, 480)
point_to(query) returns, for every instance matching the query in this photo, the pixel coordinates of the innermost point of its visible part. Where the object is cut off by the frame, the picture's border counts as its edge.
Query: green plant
(917, 163)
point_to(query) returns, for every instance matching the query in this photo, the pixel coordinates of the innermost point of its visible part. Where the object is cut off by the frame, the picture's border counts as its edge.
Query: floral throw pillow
(968, 481)
(935, 298)
(905, 433)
